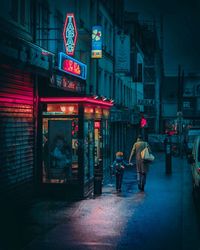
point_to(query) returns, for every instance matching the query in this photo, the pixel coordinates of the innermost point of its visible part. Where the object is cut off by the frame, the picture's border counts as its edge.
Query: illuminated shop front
(75, 134)
(74, 128)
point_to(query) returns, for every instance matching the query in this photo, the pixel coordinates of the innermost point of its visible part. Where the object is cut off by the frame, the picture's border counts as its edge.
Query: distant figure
(140, 165)
(118, 167)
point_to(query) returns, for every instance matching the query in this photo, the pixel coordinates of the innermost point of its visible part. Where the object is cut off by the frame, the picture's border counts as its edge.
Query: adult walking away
(141, 166)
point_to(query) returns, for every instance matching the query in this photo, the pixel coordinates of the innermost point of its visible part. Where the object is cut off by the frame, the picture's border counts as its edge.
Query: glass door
(60, 150)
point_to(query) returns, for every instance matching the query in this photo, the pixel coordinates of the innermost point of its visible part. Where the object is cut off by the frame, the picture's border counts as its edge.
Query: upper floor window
(20, 11)
(43, 15)
(139, 73)
(149, 91)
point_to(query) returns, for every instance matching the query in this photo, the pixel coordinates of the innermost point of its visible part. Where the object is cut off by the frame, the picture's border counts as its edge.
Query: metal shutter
(16, 131)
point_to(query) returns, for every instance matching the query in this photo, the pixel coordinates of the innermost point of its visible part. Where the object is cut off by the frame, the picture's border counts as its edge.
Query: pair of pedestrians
(119, 165)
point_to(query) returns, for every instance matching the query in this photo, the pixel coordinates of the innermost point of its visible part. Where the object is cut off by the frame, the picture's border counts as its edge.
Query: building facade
(148, 63)
(63, 113)
(44, 107)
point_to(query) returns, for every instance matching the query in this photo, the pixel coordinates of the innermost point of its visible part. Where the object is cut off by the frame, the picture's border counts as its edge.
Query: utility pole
(179, 113)
(162, 71)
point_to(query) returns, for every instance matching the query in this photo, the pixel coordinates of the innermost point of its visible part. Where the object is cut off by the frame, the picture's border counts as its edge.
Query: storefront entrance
(72, 144)
(60, 150)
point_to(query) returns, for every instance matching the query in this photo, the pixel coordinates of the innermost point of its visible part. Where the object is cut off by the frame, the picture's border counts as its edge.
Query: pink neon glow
(71, 66)
(97, 125)
(13, 100)
(76, 99)
(88, 110)
(64, 33)
(143, 122)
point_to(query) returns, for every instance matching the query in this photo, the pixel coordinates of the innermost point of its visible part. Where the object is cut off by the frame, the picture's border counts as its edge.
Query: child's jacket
(118, 166)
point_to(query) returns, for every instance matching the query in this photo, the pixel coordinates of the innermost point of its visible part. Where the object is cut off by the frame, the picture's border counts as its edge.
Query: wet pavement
(164, 217)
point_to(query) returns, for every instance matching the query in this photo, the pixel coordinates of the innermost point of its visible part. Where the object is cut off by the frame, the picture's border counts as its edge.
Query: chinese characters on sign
(70, 34)
(67, 84)
(71, 66)
(96, 42)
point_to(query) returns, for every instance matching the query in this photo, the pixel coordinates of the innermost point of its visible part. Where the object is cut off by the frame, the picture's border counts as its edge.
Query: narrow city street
(86, 85)
(165, 216)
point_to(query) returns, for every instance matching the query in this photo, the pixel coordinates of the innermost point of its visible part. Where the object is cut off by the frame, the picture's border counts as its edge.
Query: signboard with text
(70, 34)
(96, 42)
(71, 66)
(65, 83)
(146, 102)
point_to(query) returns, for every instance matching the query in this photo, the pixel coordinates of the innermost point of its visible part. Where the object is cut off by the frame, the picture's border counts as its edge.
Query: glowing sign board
(97, 125)
(70, 34)
(71, 66)
(96, 42)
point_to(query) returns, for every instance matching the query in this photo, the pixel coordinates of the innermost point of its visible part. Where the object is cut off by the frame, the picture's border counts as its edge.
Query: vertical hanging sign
(70, 34)
(96, 42)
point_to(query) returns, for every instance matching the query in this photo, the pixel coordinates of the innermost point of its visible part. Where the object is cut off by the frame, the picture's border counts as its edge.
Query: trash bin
(98, 186)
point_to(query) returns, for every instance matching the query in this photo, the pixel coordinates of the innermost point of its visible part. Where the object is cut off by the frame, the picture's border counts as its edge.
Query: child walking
(118, 167)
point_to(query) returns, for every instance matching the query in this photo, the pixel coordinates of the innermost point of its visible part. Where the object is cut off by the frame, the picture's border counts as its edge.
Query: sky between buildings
(181, 24)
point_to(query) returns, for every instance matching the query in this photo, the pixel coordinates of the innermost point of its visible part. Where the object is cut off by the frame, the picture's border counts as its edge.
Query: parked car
(190, 137)
(194, 160)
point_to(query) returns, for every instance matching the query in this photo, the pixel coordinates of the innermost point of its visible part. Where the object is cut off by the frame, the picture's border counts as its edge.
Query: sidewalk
(79, 220)
(114, 220)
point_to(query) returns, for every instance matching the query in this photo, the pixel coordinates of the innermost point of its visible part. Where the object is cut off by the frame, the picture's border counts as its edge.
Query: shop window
(62, 109)
(88, 149)
(98, 113)
(88, 112)
(106, 113)
(97, 148)
(106, 148)
(60, 150)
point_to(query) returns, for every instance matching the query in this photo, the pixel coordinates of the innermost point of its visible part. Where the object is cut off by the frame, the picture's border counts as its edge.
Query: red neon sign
(71, 66)
(143, 122)
(70, 34)
(97, 125)
(76, 99)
